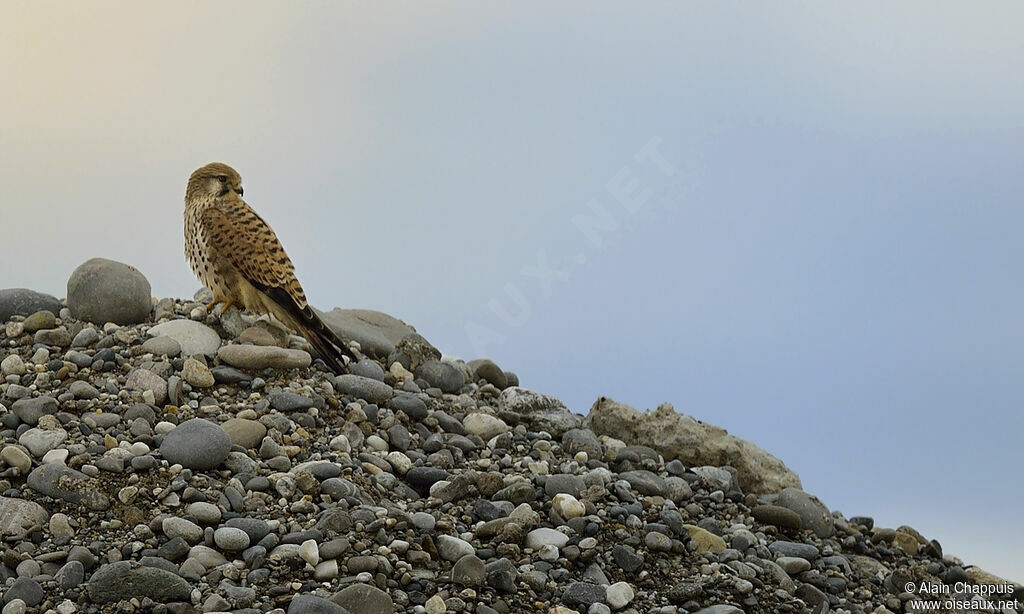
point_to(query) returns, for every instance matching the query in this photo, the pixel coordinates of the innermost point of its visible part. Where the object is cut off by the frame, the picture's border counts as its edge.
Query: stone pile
(160, 458)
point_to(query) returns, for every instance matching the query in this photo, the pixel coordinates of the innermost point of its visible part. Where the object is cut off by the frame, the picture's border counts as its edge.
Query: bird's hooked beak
(239, 190)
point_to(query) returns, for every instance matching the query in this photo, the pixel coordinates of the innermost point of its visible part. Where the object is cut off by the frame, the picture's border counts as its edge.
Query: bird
(239, 258)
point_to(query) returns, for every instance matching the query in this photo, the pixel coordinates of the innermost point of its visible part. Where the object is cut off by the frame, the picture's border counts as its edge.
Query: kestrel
(239, 258)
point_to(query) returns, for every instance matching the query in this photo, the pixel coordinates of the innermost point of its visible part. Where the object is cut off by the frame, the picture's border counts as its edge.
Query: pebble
(778, 516)
(357, 386)
(196, 444)
(619, 595)
(452, 548)
(244, 433)
(162, 346)
(122, 580)
(545, 536)
(144, 380)
(469, 571)
(191, 337)
(484, 426)
(197, 374)
(263, 357)
(18, 516)
(364, 599)
(567, 506)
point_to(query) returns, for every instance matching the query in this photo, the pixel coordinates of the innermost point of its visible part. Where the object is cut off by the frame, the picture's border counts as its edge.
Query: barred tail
(306, 322)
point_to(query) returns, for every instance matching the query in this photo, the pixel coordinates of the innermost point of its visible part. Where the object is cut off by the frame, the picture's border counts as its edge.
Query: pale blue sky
(832, 272)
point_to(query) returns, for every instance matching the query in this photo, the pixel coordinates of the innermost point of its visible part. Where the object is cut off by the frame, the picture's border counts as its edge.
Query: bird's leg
(227, 304)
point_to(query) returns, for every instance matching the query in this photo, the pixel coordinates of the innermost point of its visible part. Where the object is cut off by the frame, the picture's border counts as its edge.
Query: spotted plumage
(239, 258)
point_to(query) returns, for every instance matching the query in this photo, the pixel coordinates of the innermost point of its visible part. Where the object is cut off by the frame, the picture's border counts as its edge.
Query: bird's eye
(222, 179)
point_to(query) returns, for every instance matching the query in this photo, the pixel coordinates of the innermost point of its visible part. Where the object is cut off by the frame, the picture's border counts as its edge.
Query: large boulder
(102, 291)
(377, 333)
(24, 302)
(693, 442)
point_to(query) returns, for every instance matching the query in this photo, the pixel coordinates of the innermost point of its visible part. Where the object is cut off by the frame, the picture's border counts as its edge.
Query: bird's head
(213, 180)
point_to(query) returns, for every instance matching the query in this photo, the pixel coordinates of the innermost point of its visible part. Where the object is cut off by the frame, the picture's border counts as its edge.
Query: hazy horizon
(820, 258)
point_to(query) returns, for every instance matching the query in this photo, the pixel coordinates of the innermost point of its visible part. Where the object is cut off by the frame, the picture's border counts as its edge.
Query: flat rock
(25, 302)
(39, 441)
(192, 337)
(61, 482)
(121, 580)
(781, 517)
(102, 291)
(196, 444)
(377, 333)
(695, 443)
(263, 357)
(365, 388)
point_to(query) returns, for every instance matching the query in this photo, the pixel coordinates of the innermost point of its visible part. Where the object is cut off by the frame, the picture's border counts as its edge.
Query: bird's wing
(249, 244)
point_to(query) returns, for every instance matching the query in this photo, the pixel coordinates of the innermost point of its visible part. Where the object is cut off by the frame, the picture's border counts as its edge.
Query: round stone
(102, 291)
(567, 506)
(484, 426)
(230, 539)
(196, 444)
(619, 595)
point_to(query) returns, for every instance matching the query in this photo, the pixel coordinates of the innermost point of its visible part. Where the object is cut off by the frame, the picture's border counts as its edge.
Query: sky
(799, 221)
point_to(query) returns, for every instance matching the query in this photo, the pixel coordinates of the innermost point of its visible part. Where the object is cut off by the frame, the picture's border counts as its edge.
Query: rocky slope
(159, 458)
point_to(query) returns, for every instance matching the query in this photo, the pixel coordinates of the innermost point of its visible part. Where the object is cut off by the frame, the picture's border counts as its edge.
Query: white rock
(548, 553)
(377, 443)
(193, 337)
(568, 506)
(341, 444)
(310, 552)
(326, 570)
(40, 441)
(18, 606)
(619, 595)
(435, 605)
(55, 456)
(452, 548)
(12, 365)
(484, 425)
(544, 536)
(399, 461)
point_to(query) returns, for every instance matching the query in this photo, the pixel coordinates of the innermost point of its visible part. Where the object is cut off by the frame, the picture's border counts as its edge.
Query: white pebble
(56, 456)
(310, 552)
(619, 595)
